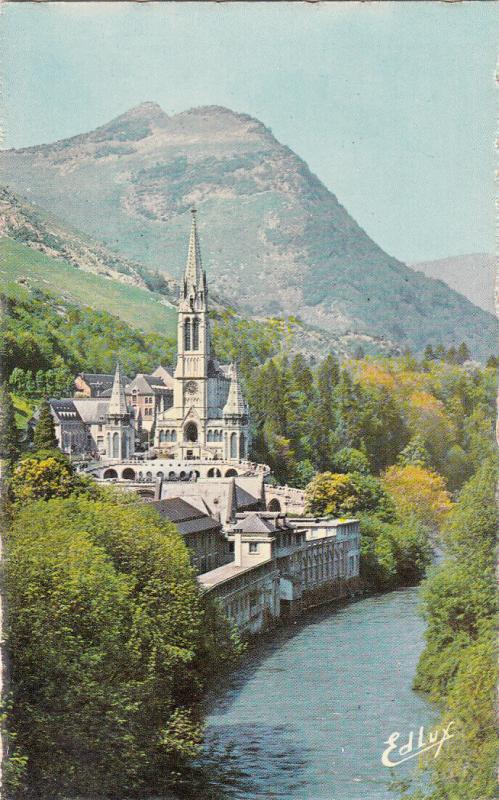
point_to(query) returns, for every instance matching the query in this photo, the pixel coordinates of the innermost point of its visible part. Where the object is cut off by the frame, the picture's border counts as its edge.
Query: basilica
(194, 412)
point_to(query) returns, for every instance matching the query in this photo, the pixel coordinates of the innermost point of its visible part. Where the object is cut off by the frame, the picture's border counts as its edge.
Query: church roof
(117, 403)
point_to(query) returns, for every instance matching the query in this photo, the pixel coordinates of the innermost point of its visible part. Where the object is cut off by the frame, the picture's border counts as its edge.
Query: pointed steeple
(236, 404)
(117, 404)
(194, 277)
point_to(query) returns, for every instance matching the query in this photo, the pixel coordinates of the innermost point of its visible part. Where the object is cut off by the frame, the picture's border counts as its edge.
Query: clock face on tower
(191, 388)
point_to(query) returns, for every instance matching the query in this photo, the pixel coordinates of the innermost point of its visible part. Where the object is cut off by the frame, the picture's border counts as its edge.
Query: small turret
(117, 404)
(236, 404)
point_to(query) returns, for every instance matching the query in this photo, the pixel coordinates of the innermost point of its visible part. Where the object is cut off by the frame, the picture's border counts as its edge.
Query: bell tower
(193, 346)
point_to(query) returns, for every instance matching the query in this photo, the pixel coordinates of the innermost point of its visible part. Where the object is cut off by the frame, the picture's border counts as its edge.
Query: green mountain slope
(275, 239)
(22, 266)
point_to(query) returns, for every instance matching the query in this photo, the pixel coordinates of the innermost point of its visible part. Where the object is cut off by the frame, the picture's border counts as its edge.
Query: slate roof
(244, 499)
(253, 523)
(186, 517)
(65, 410)
(91, 409)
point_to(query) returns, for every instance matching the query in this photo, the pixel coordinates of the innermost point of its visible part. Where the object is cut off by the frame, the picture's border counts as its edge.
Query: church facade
(209, 415)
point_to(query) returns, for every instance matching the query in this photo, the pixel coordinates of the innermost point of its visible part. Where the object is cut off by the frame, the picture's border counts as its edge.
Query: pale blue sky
(391, 104)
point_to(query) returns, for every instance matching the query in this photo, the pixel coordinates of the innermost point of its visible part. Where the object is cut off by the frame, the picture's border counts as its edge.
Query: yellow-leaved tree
(419, 491)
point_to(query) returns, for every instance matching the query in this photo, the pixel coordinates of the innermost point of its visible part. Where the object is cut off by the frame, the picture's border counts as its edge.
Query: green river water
(307, 714)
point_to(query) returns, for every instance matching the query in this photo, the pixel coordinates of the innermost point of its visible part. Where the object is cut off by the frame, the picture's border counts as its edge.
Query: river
(306, 715)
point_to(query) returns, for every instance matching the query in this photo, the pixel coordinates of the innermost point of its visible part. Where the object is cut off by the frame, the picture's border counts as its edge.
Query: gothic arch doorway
(128, 474)
(274, 505)
(110, 473)
(191, 432)
(231, 473)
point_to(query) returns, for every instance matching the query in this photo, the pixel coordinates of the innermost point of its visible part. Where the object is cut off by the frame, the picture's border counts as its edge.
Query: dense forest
(104, 603)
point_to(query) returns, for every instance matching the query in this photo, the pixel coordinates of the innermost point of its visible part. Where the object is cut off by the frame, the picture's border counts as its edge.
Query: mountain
(39, 252)
(275, 240)
(473, 275)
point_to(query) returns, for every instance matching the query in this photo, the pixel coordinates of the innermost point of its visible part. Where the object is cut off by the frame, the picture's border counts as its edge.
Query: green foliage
(348, 459)
(457, 666)
(336, 495)
(393, 553)
(45, 341)
(414, 453)
(44, 475)
(44, 437)
(9, 434)
(111, 647)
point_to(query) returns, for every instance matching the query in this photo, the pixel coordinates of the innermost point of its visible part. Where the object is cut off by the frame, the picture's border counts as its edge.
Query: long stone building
(282, 567)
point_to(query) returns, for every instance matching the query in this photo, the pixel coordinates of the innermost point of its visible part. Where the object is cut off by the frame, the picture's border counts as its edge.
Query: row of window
(168, 436)
(215, 436)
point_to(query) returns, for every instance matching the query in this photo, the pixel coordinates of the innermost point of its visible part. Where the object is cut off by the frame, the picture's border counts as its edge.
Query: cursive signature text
(413, 749)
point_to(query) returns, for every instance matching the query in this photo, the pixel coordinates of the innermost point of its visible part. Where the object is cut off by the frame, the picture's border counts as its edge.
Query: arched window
(124, 445)
(128, 474)
(233, 445)
(110, 473)
(168, 436)
(187, 334)
(191, 432)
(161, 436)
(210, 436)
(174, 436)
(242, 446)
(195, 334)
(116, 445)
(148, 476)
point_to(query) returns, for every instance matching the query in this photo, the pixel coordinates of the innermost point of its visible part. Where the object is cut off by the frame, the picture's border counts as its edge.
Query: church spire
(194, 278)
(236, 404)
(117, 403)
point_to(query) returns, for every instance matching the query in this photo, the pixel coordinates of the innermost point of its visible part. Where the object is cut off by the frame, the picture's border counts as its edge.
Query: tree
(492, 362)
(112, 648)
(418, 491)
(44, 475)
(440, 352)
(45, 438)
(393, 554)
(334, 495)
(414, 453)
(451, 355)
(9, 434)
(463, 353)
(348, 459)
(429, 355)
